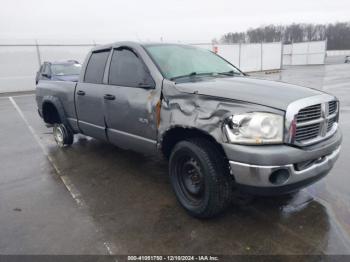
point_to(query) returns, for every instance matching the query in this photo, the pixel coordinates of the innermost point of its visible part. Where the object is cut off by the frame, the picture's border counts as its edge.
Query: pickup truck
(220, 130)
(59, 71)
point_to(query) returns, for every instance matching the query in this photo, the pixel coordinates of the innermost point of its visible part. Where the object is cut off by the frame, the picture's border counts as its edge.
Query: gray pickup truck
(220, 129)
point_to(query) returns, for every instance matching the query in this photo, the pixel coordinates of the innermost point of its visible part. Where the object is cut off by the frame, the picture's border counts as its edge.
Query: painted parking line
(73, 191)
(8, 96)
(66, 181)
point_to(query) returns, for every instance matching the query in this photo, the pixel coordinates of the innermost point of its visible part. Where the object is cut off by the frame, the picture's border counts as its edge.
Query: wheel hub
(58, 135)
(192, 177)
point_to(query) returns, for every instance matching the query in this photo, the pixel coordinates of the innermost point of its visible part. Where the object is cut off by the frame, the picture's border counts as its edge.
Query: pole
(307, 53)
(261, 56)
(38, 52)
(282, 47)
(325, 50)
(239, 55)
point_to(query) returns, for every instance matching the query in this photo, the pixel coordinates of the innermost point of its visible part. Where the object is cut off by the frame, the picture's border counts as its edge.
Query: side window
(96, 67)
(127, 69)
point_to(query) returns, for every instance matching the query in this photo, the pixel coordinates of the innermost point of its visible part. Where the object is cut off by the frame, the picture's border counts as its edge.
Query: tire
(200, 177)
(62, 135)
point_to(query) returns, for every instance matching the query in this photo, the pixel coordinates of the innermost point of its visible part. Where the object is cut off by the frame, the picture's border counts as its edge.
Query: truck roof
(131, 44)
(62, 62)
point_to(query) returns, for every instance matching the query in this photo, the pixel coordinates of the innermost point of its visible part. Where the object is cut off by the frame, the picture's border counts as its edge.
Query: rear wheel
(200, 177)
(63, 135)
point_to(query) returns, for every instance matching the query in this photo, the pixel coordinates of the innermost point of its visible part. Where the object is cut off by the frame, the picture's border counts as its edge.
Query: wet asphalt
(93, 198)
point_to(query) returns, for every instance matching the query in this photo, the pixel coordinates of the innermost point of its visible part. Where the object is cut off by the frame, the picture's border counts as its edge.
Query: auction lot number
(173, 258)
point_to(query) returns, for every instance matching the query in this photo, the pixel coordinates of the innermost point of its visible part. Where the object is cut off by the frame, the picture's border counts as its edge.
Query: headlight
(254, 128)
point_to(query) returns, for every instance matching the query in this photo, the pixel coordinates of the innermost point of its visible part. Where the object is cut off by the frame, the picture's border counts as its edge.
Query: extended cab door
(89, 96)
(130, 102)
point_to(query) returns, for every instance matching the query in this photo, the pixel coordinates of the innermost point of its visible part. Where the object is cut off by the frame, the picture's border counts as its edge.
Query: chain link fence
(20, 59)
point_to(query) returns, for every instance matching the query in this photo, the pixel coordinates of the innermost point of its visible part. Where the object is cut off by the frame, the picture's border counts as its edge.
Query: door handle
(81, 93)
(109, 97)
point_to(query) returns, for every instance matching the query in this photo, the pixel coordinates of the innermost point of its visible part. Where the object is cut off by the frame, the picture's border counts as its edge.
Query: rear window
(96, 67)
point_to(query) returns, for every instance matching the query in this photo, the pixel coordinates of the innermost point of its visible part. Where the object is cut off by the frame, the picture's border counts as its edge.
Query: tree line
(337, 34)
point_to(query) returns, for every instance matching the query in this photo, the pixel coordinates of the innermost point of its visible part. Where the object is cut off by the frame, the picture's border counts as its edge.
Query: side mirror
(146, 85)
(46, 75)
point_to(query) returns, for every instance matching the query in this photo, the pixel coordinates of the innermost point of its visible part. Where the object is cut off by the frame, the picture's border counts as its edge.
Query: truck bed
(62, 91)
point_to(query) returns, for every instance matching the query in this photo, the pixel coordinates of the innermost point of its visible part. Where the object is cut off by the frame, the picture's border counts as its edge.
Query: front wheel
(63, 135)
(200, 177)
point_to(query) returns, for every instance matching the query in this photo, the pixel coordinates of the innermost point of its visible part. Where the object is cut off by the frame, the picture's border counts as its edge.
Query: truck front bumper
(280, 169)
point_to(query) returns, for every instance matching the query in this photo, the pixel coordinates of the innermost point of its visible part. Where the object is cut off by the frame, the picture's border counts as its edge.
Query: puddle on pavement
(310, 221)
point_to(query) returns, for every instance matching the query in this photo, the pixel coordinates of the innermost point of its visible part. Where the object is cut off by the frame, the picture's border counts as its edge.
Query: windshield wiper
(182, 76)
(228, 73)
(191, 74)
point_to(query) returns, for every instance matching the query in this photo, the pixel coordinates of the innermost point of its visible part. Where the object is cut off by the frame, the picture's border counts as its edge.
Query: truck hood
(264, 92)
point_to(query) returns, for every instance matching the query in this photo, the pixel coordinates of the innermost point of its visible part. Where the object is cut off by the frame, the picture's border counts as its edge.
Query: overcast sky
(149, 20)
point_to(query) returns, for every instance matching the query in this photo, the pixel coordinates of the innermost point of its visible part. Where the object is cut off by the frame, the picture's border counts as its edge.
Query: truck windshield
(65, 69)
(177, 61)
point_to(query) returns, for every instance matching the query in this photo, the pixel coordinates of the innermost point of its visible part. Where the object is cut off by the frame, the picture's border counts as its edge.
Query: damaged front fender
(201, 112)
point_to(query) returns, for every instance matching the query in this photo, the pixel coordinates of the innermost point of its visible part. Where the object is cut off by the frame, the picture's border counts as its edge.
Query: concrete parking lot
(94, 198)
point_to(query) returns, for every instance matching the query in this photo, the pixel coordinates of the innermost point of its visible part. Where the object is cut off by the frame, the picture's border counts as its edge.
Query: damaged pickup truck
(220, 129)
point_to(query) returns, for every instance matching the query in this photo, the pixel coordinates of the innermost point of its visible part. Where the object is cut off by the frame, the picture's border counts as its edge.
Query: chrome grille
(332, 107)
(307, 132)
(330, 123)
(332, 112)
(309, 113)
(315, 122)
